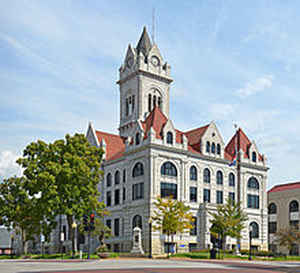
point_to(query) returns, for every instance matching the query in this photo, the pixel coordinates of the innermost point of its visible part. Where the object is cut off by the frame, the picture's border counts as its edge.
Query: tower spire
(144, 45)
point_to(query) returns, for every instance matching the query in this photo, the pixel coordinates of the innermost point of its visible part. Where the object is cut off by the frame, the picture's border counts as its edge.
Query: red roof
(285, 187)
(115, 145)
(195, 135)
(244, 145)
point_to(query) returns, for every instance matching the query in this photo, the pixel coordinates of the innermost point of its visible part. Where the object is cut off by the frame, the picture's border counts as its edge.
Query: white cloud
(8, 165)
(260, 84)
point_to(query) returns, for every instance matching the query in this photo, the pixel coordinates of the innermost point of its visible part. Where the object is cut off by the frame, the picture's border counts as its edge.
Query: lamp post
(250, 239)
(74, 226)
(150, 237)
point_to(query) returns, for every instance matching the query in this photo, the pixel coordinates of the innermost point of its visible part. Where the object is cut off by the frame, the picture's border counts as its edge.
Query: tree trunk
(71, 231)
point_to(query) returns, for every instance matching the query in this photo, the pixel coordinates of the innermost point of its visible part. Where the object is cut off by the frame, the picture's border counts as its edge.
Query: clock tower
(144, 84)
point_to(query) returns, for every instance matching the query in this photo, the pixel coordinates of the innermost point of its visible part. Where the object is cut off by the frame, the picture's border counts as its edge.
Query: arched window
(294, 206)
(254, 156)
(117, 177)
(231, 180)
(169, 138)
(149, 103)
(213, 147)
(272, 209)
(255, 230)
(159, 102)
(193, 173)
(127, 107)
(137, 139)
(219, 178)
(253, 183)
(218, 149)
(108, 180)
(137, 222)
(154, 101)
(206, 175)
(138, 170)
(168, 168)
(207, 147)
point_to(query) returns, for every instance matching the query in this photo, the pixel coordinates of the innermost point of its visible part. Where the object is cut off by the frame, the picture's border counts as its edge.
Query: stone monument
(137, 241)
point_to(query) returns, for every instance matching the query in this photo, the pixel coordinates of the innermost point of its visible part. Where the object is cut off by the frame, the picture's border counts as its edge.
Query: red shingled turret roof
(194, 135)
(285, 187)
(115, 145)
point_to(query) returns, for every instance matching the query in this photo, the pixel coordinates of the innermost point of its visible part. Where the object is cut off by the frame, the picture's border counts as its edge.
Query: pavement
(146, 265)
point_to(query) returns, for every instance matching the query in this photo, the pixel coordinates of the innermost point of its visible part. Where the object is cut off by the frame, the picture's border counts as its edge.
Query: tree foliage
(228, 220)
(288, 237)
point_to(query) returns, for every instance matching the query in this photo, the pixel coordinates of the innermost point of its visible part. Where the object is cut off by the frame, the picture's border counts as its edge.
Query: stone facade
(149, 139)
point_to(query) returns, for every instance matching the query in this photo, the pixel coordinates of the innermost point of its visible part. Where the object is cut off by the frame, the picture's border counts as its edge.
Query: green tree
(288, 237)
(171, 217)
(66, 174)
(228, 220)
(19, 210)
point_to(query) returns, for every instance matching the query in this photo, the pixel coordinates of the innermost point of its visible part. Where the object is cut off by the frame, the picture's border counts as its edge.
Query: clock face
(129, 62)
(155, 61)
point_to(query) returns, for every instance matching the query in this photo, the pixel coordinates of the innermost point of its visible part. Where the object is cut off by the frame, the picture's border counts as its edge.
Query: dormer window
(253, 156)
(213, 147)
(137, 139)
(169, 138)
(207, 147)
(218, 149)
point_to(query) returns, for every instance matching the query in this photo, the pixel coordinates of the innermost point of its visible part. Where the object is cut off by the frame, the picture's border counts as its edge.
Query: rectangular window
(253, 201)
(138, 191)
(117, 227)
(108, 199)
(272, 227)
(193, 194)
(124, 194)
(231, 196)
(117, 197)
(206, 195)
(168, 189)
(124, 176)
(294, 224)
(193, 231)
(108, 223)
(219, 197)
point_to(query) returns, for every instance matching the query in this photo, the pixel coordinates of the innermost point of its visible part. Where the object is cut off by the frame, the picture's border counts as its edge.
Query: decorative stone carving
(137, 241)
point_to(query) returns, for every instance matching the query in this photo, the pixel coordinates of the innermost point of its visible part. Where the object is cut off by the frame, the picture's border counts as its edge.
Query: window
(108, 180)
(124, 194)
(231, 196)
(137, 221)
(193, 231)
(108, 198)
(154, 101)
(133, 102)
(253, 201)
(219, 178)
(207, 147)
(218, 149)
(117, 227)
(169, 138)
(272, 209)
(168, 189)
(253, 183)
(294, 224)
(168, 168)
(206, 195)
(253, 156)
(213, 147)
(231, 180)
(137, 139)
(117, 177)
(138, 191)
(117, 197)
(193, 194)
(138, 170)
(294, 206)
(124, 176)
(149, 103)
(108, 223)
(206, 175)
(255, 230)
(127, 107)
(159, 102)
(193, 173)
(219, 197)
(272, 227)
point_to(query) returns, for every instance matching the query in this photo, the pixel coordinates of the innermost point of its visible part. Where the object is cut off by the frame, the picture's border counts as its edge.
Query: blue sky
(232, 62)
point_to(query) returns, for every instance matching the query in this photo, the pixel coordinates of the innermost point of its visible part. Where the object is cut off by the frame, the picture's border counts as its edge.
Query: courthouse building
(283, 210)
(150, 157)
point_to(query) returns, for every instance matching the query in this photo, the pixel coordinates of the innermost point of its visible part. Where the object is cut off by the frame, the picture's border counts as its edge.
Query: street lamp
(150, 237)
(74, 226)
(250, 239)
